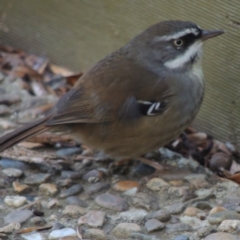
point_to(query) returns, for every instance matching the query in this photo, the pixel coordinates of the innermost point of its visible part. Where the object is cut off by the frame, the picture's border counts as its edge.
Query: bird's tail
(22, 133)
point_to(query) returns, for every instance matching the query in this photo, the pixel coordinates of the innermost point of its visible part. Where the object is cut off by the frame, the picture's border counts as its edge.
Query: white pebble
(64, 232)
(15, 201)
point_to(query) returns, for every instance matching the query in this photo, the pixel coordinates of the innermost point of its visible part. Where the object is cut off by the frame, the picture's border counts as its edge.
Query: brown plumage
(131, 102)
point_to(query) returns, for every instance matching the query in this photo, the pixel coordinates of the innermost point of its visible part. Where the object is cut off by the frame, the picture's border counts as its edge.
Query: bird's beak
(206, 34)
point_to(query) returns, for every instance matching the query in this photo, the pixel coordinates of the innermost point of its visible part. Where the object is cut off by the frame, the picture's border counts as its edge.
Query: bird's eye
(178, 42)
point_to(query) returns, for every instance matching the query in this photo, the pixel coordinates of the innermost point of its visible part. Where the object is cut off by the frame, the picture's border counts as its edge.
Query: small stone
(93, 176)
(74, 190)
(131, 192)
(191, 211)
(15, 201)
(20, 188)
(221, 236)
(48, 189)
(64, 182)
(11, 227)
(69, 238)
(157, 184)
(217, 209)
(95, 234)
(229, 226)
(32, 235)
(93, 219)
(204, 231)
(124, 230)
(197, 181)
(71, 175)
(37, 179)
(112, 202)
(133, 215)
(176, 183)
(125, 185)
(97, 187)
(4, 110)
(19, 216)
(53, 202)
(74, 200)
(154, 225)
(217, 218)
(64, 232)
(178, 191)
(143, 200)
(176, 208)
(38, 221)
(178, 227)
(74, 211)
(68, 151)
(195, 222)
(12, 172)
(160, 215)
(57, 226)
(181, 237)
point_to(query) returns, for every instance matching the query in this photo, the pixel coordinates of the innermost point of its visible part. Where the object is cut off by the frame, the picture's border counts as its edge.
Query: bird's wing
(114, 89)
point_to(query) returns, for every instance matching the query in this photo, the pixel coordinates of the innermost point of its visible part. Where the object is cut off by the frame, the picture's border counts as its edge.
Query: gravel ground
(52, 193)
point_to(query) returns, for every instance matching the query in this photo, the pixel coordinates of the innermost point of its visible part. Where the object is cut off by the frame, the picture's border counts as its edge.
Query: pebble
(221, 236)
(181, 237)
(124, 230)
(218, 217)
(176, 183)
(161, 215)
(93, 176)
(112, 202)
(69, 238)
(97, 187)
(131, 192)
(68, 151)
(64, 232)
(57, 226)
(178, 191)
(38, 221)
(53, 202)
(10, 228)
(229, 226)
(123, 186)
(154, 225)
(64, 182)
(48, 189)
(15, 201)
(37, 179)
(19, 216)
(12, 172)
(191, 211)
(9, 163)
(93, 219)
(157, 184)
(143, 200)
(204, 231)
(176, 208)
(71, 175)
(32, 235)
(178, 227)
(74, 190)
(74, 200)
(195, 222)
(4, 110)
(74, 210)
(20, 188)
(95, 234)
(134, 215)
(217, 209)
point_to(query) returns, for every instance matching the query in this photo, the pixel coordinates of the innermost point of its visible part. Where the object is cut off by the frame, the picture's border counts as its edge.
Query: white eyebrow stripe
(182, 59)
(186, 31)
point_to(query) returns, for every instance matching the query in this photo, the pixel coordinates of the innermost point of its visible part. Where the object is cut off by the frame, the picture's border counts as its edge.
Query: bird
(136, 99)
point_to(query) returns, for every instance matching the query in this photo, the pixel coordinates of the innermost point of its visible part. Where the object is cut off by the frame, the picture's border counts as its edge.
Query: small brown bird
(136, 99)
